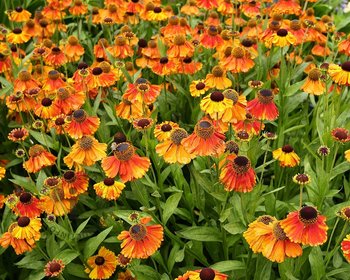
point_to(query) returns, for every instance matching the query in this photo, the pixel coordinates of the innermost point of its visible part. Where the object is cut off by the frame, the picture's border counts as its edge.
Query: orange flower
(205, 140)
(78, 8)
(38, 158)
(81, 124)
(74, 183)
(27, 205)
(172, 150)
(86, 151)
(198, 88)
(125, 163)
(101, 76)
(215, 104)
(18, 134)
(109, 189)
(142, 240)
(265, 235)
(341, 135)
(19, 15)
(286, 7)
(163, 130)
(238, 175)
(211, 39)
(344, 46)
(314, 84)
(19, 245)
(180, 48)
(207, 4)
(25, 82)
(188, 66)
(164, 66)
(345, 247)
(53, 81)
(47, 108)
(56, 58)
(237, 60)
(18, 36)
(102, 265)
(68, 99)
(121, 49)
(282, 38)
(73, 50)
(286, 156)
(263, 107)
(340, 74)
(217, 79)
(251, 9)
(203, 274)
(305, 226)
(143, 91)
(129, 110)
(54, 268)
(236, 112)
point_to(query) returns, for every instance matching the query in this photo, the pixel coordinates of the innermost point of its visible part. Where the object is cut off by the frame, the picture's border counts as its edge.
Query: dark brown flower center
(59, 121)
(25, 197)
(143, 123)
(238, 52)
(204, 129)
(69, 176)
(341, 135)
(247, 43)
(23, 221)
(142, 43)
(99, 260)
(19, 9)
(346, 66)
(17, 30)
(200, 86)
(266, 219)
(241, 164)
(166, 127)
(207, 274)
(308, 214)
(287, 149)
(164, 60)
(46, 102)
(157, 10)
(314, 74)
(97, 71)
(217, 71)
(54, 74)
(124, 151)
(54, 267)
(138, 232)
(302, 178)
(108, 182)
(119, 137)
(51, 182)
(18, 133)
(79, 115)
(265, 96)
(217, 96)
(56, 50)
(347, 212)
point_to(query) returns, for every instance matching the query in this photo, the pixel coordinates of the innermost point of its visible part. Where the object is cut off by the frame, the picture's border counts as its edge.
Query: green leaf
(235, 228)
(92, 244)
(52, 246)
(263, 269)
(317, 263)
(228, 266)
(76, 270)
(67, 256)
(24, 182)
(170, 206)
(42, 138)
(82, 226)
(144, 272)
(201, 234)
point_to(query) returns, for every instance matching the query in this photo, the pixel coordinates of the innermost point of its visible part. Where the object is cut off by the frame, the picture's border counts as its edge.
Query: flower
(341, 135)
(302, 179)
(73, 49)
(263, 107)
(18, 134)
(125, 163)
(54, 268)
(282, 38)
(172, 149)
(345, 247)
(323, 151)
(217, 79)
(238, 175)
(109, 189)
(126, 275)
(198, 88)
(163, 130)
(27, 205)
(344, 213)
(47, 108)
(19, 245)
(215, 104)
(86, 151)
(286, 156)
(38, 158)
(314, 84)
(81, 124)
(347, 155)
(340, 73)
(27, 228)
(18, 36)
(237, 60)
(102, 265)
(56, 58)
(305, 226)
(203, 274)
(74, 183)
(236, 112)
(141, 240)
(19, 15)
(205, 140)
(142, 124)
